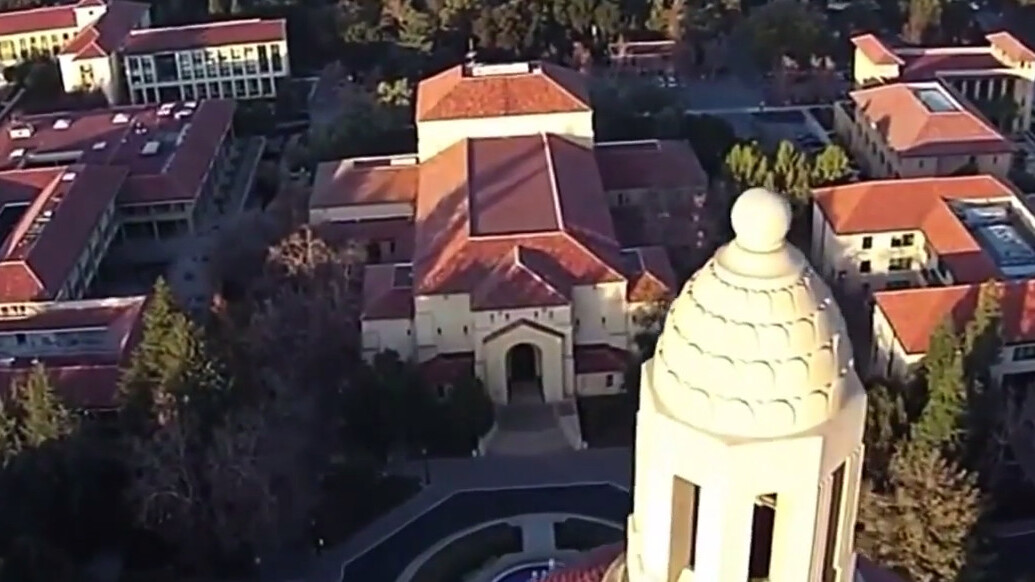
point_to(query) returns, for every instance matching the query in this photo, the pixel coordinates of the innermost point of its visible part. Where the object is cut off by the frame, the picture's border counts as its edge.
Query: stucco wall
(388, 334)
(435, 136)
(864, 71)
(597, 384)
(600, 314)
(555, 370)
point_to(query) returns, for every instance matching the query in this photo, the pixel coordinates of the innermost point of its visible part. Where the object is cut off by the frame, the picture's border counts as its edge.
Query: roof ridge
(520, 263)
(548, 70)
(554, 186)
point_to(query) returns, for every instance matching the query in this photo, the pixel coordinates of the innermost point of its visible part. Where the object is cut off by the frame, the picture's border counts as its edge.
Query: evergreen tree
(921, 523)
(41, 416)
(10, 442)
(470, 409)
(830, 166)
(939, 425)
(886, 424)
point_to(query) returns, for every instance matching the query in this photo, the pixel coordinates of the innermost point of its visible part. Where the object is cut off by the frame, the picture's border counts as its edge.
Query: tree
(921, 523)
(923, 21)
(940, 424)
(42, 417)
(785, 28)
(886, 425)
(470, 410)
(830, 166)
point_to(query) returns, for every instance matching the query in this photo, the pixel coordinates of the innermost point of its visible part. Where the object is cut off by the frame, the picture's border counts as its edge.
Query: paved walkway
(449, 476)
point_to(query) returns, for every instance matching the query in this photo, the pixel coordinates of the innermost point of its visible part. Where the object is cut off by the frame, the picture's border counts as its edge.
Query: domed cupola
(754, 345)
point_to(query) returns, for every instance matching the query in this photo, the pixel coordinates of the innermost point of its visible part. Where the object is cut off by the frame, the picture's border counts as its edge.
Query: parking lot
(387, 560)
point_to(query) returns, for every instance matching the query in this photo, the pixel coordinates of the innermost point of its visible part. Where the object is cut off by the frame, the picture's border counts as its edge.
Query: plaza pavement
(449, 476)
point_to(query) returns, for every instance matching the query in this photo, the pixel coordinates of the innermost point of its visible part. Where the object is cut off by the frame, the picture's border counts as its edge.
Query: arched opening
(524, 374)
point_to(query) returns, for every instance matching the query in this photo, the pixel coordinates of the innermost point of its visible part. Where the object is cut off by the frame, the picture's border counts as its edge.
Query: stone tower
(749, 439)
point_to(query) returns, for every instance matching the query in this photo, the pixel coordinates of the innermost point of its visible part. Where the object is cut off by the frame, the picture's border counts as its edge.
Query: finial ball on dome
(760, 220)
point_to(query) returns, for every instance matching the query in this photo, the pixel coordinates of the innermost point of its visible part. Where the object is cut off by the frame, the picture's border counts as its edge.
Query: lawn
(607, 421)
(352, 499)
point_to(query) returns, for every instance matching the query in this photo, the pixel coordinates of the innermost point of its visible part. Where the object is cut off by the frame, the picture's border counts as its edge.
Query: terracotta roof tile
(928, 64)
(462, 93)
(210, 34)
(38, 19)
(49, 239)
(912, 128)
(387, 292)
(915, 313)
(649, 165)
(1011, 45)
(875, 50)
(593, 567)
(650, 274)
(189, 139)
(447, 368)
(917, 204)
(365, 181)
(513, 282)
(600, 358)
(480, 198)
(108, 33)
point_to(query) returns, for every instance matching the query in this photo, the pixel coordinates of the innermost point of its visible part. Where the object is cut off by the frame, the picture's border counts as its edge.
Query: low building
(239, 59)
(920, 232)
(918, 129)
(55, 228)
(499, 255)
(644, 57)
(1001, 72)
(81, 344)
(172, 157)
(904, 320)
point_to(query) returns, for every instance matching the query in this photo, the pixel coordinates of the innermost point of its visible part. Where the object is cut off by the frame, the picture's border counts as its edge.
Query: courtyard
(390, 557)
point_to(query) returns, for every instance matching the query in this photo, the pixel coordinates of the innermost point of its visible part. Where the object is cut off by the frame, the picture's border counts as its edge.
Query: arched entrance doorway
(524, 373)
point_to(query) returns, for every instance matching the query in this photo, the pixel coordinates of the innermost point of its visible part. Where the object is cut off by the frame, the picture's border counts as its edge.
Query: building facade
(242, 59)
(505, 261)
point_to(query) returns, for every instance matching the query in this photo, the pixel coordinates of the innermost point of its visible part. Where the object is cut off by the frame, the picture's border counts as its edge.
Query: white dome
(754, 345)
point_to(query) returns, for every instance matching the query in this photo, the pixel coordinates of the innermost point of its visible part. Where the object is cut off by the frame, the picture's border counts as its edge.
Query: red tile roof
(1012, 46)
(910, 128)
(649, 165)
(387, 295)
(927, 65)
(519, 279)
(210, 34)
(188, 138)
(44, 246)
(917, 204)
(108, 33)
(915, 313)
(382, 180)
(651, 277)
(600, 358)
(447, 368)
(465, 92)
(593, 567)
(37, 19)
(875, 50)
(85, 373)
(478, 199)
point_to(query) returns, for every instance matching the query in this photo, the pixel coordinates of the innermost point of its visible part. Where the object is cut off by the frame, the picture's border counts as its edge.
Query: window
(837, 486)
(465, 330)
(20, 338)
(213, 90)
(253, 87)
(867, 242)
(900, 264)
(686, 504)
(138, 96)
(609, 381)
(264, 59)
(165, 68)
(864, 267)
(86, 75)
(239, 88)
(762, 536)
(278, 65)
(439, 331)
(1023, 353)
(267, 86)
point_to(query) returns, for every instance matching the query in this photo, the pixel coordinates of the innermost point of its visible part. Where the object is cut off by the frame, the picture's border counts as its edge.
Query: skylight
(935, 100)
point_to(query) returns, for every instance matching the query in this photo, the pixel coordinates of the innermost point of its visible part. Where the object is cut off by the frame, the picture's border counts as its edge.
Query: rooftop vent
(190, 104)
(120, 118)
(21, 131)
(68, 176)
(505, 69)
(62, 123)
(16, 153)
(98, 146)
(150, 148)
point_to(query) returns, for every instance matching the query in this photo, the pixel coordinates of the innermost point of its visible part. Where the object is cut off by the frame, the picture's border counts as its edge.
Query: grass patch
(352, 499)
(607, 421)
(583, 535)
(470, 553)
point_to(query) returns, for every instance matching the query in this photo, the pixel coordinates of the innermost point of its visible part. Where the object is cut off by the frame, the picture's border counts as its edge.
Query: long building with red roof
(109, 45)
(498, 254)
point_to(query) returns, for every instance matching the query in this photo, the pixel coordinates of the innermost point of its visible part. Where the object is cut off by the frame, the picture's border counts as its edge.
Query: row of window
(237, 89)
(202, 64)
(26, 47)
(903, 241)
(895, 264)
